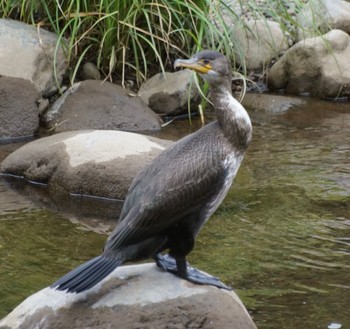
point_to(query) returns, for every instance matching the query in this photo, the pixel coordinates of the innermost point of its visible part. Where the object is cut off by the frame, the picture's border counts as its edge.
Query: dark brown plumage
(172, 198)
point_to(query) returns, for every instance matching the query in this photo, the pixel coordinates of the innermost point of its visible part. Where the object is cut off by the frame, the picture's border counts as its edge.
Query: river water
(281, 238)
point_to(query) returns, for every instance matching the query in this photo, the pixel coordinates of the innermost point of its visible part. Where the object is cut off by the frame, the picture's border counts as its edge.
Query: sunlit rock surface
(28, 52)
(138, 296)
(169, 92)
(260, 42)
(97, 162)
(315, 66)
(325, 15)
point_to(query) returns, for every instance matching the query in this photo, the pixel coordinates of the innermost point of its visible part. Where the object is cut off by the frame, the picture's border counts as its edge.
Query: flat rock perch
(138, 296)
(92, 162)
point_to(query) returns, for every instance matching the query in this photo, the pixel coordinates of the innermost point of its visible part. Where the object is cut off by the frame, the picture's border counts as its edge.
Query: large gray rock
(316, 66)
(19, 115)
(98, 163)
(168, 92)
(28, 52)
(139, 296)
(93, 104)
(325, 15)
(260, 42)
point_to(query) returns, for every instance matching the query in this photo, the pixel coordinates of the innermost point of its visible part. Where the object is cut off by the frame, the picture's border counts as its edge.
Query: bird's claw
(168, 263)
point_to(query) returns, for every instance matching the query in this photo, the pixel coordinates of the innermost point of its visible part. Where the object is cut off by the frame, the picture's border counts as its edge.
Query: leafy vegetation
(126, 37)
(133, 39)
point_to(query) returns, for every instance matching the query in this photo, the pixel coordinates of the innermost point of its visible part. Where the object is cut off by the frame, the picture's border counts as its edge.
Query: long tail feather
(87, 275)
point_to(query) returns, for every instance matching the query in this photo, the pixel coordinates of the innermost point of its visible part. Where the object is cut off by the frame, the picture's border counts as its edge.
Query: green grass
(124, 38)
(135, 39)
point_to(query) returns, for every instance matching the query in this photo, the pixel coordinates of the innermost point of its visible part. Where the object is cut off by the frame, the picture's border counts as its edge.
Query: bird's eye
(206, 61)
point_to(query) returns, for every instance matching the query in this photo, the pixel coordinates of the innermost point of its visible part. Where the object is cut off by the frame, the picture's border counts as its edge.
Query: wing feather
(177, 183)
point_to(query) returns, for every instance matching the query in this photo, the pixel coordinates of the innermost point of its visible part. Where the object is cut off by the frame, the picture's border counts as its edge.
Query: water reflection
(281, 238)
(97, 214)
(288, 251)
(36, 246)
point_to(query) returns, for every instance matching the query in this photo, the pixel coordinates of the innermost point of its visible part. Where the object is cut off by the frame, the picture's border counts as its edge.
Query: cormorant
(172, 198)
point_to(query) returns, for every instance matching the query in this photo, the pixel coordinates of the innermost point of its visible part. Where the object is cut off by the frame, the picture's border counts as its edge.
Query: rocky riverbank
(310, 60)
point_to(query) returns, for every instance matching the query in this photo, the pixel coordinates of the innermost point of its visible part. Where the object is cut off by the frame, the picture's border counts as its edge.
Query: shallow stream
(281, 238)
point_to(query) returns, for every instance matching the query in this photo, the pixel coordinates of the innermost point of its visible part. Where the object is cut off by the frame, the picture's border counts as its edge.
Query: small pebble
(334, 326)
(90, 71)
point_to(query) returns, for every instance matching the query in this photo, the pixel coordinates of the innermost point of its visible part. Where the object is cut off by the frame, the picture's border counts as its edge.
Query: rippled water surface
(281, 238)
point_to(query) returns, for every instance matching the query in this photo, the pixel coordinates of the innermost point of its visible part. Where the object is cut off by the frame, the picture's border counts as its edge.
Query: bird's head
(211, 65)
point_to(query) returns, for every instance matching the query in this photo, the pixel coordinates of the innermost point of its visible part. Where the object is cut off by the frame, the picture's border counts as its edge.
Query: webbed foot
(191, 274)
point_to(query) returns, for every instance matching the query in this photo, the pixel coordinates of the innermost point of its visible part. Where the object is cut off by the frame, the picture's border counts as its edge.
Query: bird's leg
(166, 263)
(182, 269)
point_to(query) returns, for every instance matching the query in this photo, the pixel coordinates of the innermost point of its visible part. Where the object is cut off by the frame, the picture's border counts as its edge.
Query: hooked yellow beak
(193, 64)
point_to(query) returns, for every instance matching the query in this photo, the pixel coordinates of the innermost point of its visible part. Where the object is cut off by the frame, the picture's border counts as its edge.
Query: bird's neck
(233, 119)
